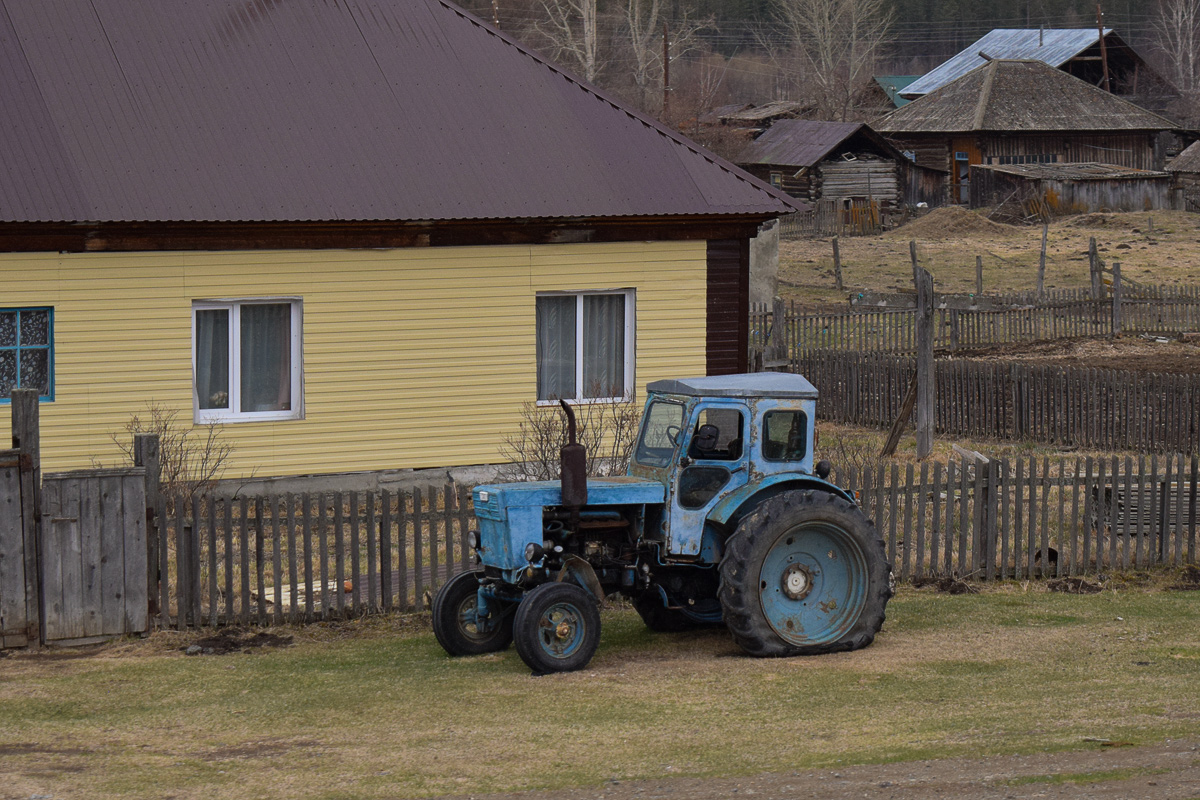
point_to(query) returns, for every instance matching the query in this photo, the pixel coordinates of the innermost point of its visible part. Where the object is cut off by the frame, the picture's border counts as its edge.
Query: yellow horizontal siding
(412, 358)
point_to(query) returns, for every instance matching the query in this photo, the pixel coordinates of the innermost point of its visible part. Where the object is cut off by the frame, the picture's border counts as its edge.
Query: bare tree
(833, 45)
(1177, 32)
(572, 29)
(645, 25)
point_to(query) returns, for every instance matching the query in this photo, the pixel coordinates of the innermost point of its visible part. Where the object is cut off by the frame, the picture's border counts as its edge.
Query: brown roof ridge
(726, 166)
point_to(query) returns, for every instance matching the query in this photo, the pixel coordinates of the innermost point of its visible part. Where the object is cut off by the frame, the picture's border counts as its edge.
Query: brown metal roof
(1026, 96)
(804, 142)
(321, 110)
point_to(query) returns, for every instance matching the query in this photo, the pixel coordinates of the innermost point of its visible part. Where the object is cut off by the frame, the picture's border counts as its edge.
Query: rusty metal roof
(322, 110)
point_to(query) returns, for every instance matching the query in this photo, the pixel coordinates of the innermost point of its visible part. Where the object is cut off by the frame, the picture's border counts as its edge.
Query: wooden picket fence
(1031, 517)
(1066, 406)
(894, 330)
(306, 557)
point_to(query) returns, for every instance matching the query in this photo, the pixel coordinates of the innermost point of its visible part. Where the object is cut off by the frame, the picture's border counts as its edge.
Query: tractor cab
(715, 441)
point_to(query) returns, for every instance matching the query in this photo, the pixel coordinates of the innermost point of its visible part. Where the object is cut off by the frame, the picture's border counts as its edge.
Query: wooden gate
(93, 555)
(14, 616)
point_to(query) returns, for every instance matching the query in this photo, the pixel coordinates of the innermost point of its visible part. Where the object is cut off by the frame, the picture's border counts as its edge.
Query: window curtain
(212, 358)
(266, 357)
(604, 345)
(556, 348)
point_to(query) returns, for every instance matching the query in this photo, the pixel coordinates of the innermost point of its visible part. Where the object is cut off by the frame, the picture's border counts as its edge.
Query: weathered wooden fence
(93, 555)
(308, 557)
(1067, 406)
(1031, 517)
(836, 217)
(893, 330)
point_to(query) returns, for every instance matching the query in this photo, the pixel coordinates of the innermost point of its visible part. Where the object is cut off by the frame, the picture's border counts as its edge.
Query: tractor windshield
(660, 434)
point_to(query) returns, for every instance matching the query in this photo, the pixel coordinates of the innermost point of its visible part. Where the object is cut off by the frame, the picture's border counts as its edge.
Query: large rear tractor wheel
(804, 574)
(557, 628)
(455, 624)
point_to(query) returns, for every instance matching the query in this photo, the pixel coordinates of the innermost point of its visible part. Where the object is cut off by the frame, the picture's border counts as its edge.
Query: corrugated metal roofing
(1025, 96)
(321, 110)
(1054, 47)
(1075, 171)
(797, 142)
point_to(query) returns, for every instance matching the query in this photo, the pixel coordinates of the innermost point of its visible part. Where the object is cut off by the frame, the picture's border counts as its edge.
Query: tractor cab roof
(757, 384)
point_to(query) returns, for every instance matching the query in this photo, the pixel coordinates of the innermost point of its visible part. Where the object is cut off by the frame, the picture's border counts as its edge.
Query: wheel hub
(797, 582)
(563, 630)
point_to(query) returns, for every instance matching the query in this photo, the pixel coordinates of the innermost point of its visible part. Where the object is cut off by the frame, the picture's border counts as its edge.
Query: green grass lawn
(376, 709)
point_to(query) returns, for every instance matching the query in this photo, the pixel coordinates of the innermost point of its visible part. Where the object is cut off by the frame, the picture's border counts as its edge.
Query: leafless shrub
(607, 430)
(192, 458)
(849, 452)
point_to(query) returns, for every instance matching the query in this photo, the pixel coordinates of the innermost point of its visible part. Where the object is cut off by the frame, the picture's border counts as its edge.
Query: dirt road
(1170, 771)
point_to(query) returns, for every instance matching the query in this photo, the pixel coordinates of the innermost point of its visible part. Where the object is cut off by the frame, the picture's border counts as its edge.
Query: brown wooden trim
(145, 236)
(727, 327)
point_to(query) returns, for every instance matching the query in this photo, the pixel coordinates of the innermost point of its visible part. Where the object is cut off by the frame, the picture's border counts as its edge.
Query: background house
(1075, 51)
(337, 229)
(813, 160)
(1022, 112)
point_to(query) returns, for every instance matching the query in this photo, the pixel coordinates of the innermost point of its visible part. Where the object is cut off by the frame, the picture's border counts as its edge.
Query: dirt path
(1169, 771)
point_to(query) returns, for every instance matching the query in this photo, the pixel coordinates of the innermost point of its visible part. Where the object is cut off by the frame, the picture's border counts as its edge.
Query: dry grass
(948, 240)
(374, 709)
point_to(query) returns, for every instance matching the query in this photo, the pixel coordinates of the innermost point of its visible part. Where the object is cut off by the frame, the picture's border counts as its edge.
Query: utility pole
(666, 74)
(1103, 47)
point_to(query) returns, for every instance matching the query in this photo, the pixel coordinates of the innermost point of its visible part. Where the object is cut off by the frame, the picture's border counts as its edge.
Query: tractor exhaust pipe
(573, 469)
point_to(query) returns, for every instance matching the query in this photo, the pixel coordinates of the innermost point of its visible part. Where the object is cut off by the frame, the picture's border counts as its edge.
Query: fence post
(837, 266)
(1041, 275)
(26, 437)
(925, 387)
(1116, 299)
(146, 455)
(1094, 267)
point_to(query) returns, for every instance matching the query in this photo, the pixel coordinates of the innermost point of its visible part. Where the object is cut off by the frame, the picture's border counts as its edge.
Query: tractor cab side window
(717, 435)
(660, 434)
(785, 435)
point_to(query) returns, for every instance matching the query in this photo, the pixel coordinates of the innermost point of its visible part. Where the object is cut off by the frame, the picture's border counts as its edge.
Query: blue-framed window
(26, 351)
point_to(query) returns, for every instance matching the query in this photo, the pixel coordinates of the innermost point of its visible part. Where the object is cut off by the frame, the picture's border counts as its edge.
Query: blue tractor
(722, 519)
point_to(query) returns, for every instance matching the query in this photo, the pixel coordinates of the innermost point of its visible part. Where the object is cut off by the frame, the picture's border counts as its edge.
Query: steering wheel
(673, 432)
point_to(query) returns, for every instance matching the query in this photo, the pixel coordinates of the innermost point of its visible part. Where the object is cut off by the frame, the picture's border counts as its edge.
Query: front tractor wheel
(557, 628)
(804, 574)
(455, 623)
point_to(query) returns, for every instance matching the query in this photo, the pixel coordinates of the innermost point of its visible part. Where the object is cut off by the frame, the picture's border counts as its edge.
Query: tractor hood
(510, 514)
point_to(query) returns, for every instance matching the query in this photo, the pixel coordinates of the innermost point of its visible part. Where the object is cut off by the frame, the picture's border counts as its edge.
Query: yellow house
(359, 236)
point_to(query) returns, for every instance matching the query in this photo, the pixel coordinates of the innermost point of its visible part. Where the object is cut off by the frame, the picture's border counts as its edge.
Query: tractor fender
(577, 570)
(741, 501)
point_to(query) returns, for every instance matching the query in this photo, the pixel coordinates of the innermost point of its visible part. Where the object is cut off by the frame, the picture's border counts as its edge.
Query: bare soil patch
(1169, 771)
(952, 222)
(235, 641)
(1125, 353)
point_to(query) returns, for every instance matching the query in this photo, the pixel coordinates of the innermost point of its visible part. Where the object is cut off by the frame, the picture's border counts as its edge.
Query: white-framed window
(246, 360)
(585, 346)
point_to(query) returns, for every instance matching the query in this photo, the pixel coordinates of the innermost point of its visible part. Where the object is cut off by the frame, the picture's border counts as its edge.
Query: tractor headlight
(473, 540)
(534, 552)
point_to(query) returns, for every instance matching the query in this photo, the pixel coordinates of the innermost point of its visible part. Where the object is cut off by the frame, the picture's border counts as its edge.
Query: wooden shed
(1185, 178)
(814, 160)
(1046, 190)
(1012, 112)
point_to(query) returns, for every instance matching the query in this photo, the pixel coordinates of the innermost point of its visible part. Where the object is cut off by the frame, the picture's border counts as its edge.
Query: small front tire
(454, 622)
(557, 628)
